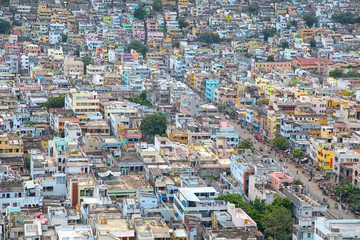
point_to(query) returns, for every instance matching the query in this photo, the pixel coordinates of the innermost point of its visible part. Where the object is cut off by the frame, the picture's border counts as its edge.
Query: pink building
(279, 179)
(240, 219)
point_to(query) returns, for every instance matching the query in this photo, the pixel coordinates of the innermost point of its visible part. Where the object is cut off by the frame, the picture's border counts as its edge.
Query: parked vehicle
(261, 149)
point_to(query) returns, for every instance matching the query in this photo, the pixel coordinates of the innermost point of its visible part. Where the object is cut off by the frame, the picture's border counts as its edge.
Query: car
(261, 149)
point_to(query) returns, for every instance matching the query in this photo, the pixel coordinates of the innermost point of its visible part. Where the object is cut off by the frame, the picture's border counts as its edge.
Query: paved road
(297, 174)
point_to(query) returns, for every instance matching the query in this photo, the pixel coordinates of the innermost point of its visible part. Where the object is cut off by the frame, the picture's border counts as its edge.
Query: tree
(5, 2)
(281, 143)
(27, 161)
(5, 27)
(141, 99)
(297, 153)
(140, 12)
(86, 60)
(77, 51)
(64, 38)
(278, 222)
(55, 102)
(154, 124)
(284, 45)
(183, 23)
(253, 9)
(138, 46)
(246, 144)
(312, 43)
(310, 19)
(16, 23)
(157, 5)
(336, 73)
(209, 37)
(270, 32)
(270, 58)
(298, 182)
(345, 18)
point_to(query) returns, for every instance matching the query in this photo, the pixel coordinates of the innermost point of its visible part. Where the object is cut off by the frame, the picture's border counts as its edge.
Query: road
(315, 192)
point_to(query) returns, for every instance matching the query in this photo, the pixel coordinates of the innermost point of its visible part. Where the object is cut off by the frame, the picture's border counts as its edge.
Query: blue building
(210, 87)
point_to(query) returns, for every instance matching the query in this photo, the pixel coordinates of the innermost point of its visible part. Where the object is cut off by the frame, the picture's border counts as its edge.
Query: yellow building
(177, 135)
(325, 158)
(82, 102)
(80, 188)
(307, 33)
(11, 146)
(44, 13)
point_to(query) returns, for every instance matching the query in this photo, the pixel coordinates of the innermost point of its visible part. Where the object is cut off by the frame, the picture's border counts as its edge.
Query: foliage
(77, 51)
(258, 208)
(297, 153)
(154, 124)
(64, 38)
(310, 19)
(55, 102)
(222, 107)
(4, 26)
(349, 192)
(339, 73)
(270, 32)
(246, 144)
(345, 18)
(298, 182)
(281, 143)
(209, 37)
(27, 161)
(278, 222)
(183, 23)
(141, 99)
(284, 45)
(140, 12)
(16, 23)
(62, 133)
(312, 43)
(346, 93)
(138, 46)
(270, 58)
(157, 5)
(248, 55)
(253, 9)
(86, 60)
(5, 2)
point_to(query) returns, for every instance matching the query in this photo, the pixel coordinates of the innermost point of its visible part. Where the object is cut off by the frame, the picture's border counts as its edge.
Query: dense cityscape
(180, 119)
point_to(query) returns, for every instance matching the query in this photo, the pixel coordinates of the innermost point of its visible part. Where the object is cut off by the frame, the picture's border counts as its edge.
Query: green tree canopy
(16, 23)
(297, 153)
(277, 222)
(312, 43)
(86, 60)
(183, 23)
(345, 18)
(138, 46)
(154, 124)
(284, 45)
(270, 58)
(141, 99)
(246, 144)
(5, 27)
(157, 5)
(55, 102)
(209, 37)
(310, 19)
(140, 12)
(281, 143)
(339, 73)
(269, 32)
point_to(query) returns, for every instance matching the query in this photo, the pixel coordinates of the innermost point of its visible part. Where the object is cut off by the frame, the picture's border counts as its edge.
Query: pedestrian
(297, 171)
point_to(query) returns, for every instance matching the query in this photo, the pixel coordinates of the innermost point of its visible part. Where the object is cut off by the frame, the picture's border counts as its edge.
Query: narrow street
(315, 192)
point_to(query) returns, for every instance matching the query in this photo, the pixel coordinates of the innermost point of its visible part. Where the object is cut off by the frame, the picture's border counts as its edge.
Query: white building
(336, 229)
